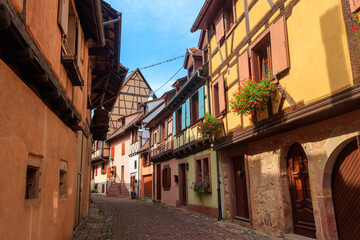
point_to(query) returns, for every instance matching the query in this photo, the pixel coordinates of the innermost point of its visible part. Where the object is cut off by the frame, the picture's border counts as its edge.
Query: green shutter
(174, 123)
(188, 119)
(201, 102)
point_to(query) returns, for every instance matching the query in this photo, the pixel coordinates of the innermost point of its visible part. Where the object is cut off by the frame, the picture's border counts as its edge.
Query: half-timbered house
(295, 168)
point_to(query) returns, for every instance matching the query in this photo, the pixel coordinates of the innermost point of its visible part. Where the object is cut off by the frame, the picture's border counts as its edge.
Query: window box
(70, 63)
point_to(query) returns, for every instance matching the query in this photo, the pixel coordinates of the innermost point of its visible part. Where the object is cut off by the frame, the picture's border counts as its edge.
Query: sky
(154, 31)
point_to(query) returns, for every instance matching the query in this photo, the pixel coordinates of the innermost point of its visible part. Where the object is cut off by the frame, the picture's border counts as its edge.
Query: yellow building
(306, 137)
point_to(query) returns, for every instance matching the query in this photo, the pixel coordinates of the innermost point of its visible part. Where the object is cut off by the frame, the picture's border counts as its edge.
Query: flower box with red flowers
(209, 127)
(252, 96)
(357, 21)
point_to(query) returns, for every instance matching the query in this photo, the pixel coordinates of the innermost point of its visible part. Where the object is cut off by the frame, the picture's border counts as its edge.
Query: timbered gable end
(133, 93)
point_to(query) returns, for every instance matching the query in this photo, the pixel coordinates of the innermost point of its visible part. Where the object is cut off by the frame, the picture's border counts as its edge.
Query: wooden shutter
(112, 151)
(169, 176)
(166, 128)
(109, 173)
(188, 112)
(201, 102)
(158, 134)
(279, 46)
(63, 15)
(174, 123)
(219, 26)
(151, 138)
(243, 66)
(221, 93)
(123, 149)
(183, 116)
(79, 45)
(354, 5)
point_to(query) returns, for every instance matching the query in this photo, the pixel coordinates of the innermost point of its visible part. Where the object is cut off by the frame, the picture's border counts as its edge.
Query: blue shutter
(201, 102)
(183, 116)
(188, 120)
(174, 123)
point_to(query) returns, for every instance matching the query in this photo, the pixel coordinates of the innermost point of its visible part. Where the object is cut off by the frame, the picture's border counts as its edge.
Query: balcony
(134, 148)
(100, 154)
(162, 151)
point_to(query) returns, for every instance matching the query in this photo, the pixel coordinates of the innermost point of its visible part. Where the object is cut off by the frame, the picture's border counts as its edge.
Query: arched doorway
(346, 192)
(299, 184)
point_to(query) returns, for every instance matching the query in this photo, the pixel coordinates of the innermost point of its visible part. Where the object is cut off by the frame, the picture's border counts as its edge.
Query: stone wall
(269, 196)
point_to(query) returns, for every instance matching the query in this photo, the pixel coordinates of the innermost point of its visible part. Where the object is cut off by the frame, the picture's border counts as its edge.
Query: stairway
(118, 190)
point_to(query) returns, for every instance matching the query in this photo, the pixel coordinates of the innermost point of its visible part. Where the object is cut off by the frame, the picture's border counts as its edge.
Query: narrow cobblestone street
(115, 218)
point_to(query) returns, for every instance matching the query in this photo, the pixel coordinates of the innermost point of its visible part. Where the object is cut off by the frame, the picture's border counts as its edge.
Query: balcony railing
(134, 147)
(162, 148)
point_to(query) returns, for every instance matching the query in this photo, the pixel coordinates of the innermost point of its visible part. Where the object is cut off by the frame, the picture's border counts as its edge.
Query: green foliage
(200, 186)
(252, 96)
(357, 21)
(209, 126)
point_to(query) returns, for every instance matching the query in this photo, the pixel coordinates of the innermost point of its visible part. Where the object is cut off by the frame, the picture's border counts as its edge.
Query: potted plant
(357, 21)
(133, 191)
(252, 96)
(200, 187)
(209, 127)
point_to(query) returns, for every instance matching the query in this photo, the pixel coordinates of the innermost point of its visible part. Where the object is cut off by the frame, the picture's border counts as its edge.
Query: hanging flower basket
(252, 96)
(357, 21)
(209, 126)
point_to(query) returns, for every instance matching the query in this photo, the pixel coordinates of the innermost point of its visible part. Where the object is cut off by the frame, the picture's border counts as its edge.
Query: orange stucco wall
(18, 5)
(27, 126)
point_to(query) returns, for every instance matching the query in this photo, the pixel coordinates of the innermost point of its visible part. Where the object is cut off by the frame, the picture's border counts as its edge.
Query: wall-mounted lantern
(176, 178)
(187, 165)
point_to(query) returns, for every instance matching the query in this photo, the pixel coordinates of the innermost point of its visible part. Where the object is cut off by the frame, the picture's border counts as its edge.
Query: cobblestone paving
(114, 218)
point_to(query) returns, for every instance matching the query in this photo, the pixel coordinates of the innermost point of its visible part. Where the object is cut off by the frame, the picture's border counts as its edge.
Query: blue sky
(154, 31)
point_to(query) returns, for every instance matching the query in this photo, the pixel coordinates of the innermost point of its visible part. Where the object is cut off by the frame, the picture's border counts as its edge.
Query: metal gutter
(99, 22)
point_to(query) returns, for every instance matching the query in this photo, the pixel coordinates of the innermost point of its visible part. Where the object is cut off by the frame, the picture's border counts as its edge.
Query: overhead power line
(169, 79)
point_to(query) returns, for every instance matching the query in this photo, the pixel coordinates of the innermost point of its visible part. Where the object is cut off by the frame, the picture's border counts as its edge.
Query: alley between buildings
(122, 218)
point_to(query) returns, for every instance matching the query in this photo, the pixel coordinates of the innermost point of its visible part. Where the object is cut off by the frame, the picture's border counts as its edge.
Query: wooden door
(242, 208)
(148, 186)
(302, 209)
(158, 182)
(122, 174)
(346, 192)
(182, 185)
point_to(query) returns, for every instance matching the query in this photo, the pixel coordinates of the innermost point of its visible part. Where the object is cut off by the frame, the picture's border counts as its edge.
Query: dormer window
(190, 71)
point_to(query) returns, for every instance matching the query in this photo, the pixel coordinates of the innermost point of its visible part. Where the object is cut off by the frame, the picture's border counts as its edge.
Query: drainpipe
(219, 188)
(99, 20)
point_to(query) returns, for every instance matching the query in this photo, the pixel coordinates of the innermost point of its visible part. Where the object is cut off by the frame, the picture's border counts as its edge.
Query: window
(96, 170)
(103, 168)
(62, 180)
(135, 164)
(145, 159)
(262, 59)
(202, 167)
(32, 177)
(134, 136)
(166, 177)
(270, 51)
(194, 105)
(156, 136)
(190, 71)
(162, 131)
(218, 95)
(206, 55)
(122, 149)
(178, 120)
(229, 15)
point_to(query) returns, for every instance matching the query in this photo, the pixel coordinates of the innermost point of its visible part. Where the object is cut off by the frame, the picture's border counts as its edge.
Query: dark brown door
(240, 188)
(148, 186)
(122, 174)
(346, 192)
(301, 202)
(182, 185)
(158, 182)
